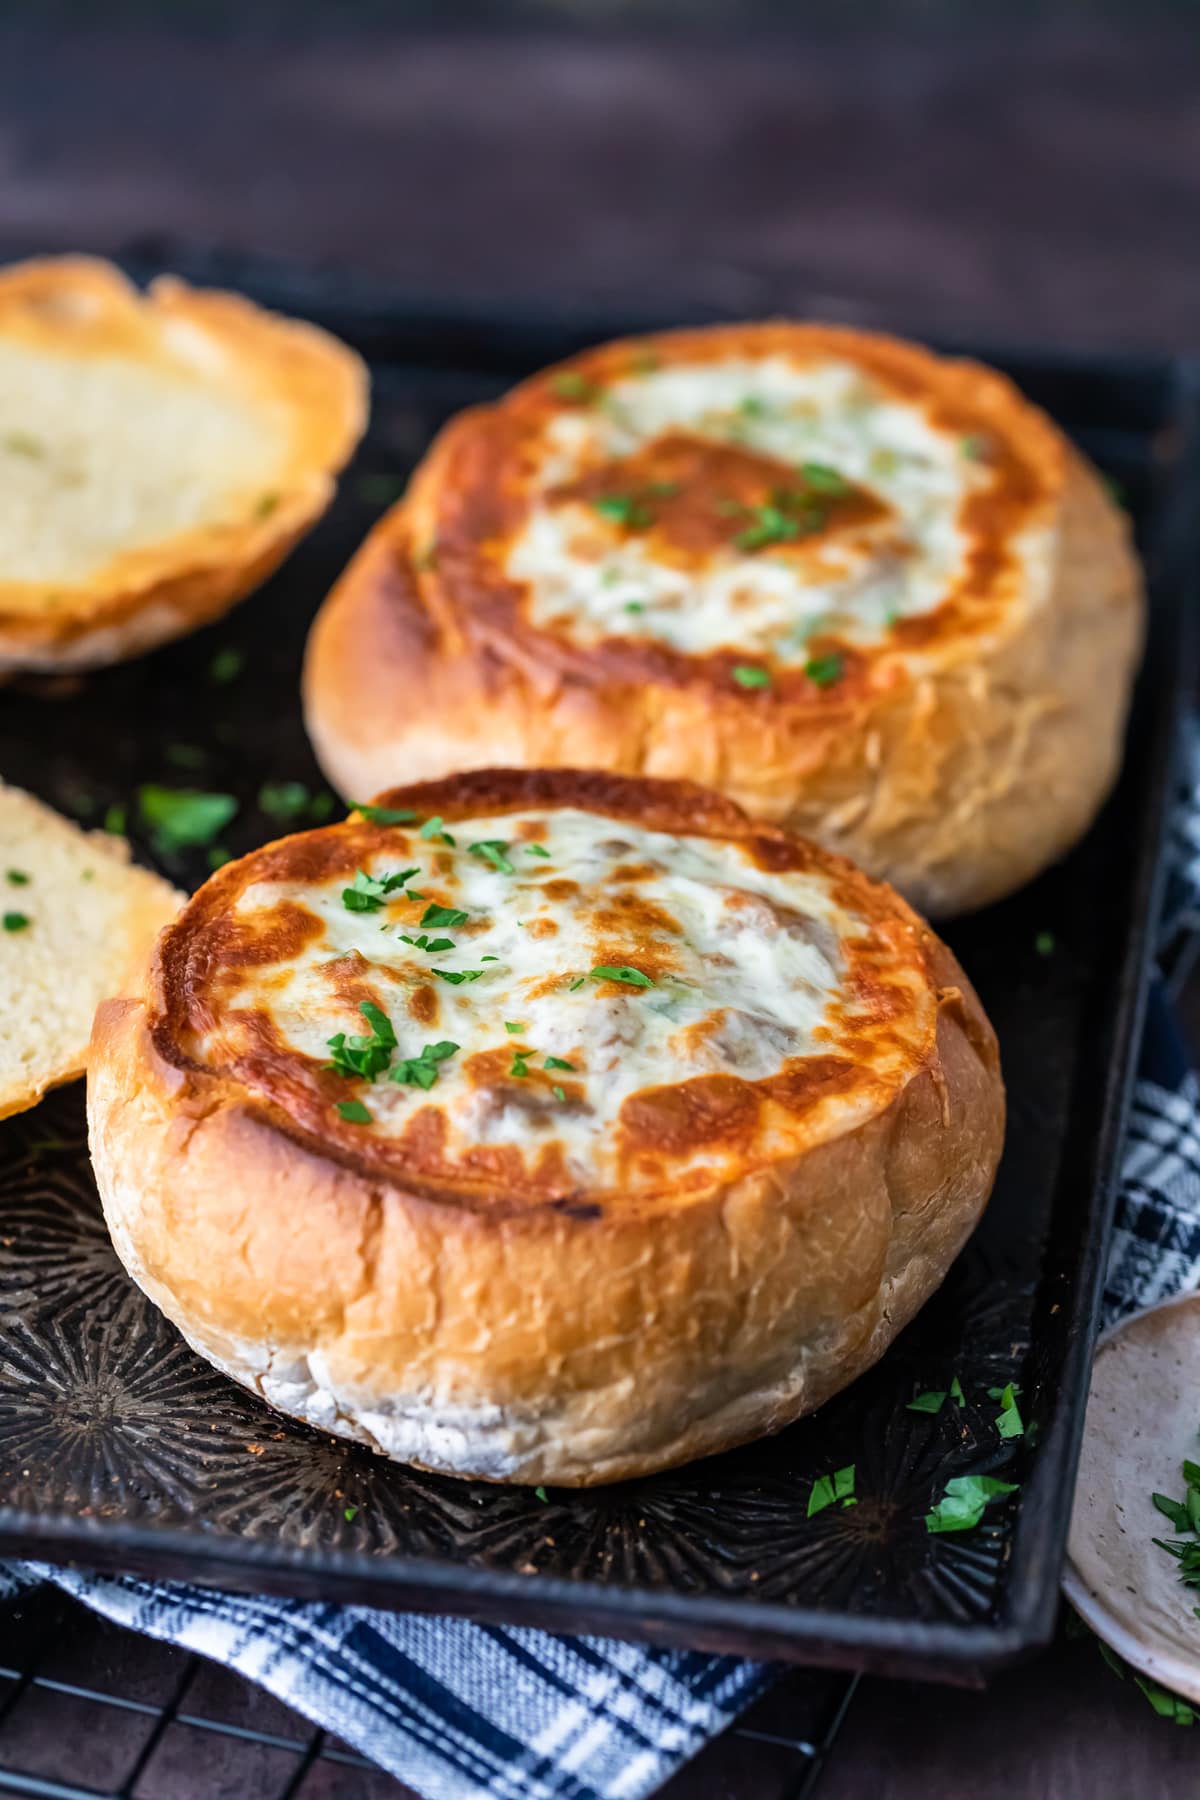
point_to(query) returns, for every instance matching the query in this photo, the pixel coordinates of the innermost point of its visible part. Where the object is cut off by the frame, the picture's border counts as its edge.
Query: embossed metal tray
(121, 1449)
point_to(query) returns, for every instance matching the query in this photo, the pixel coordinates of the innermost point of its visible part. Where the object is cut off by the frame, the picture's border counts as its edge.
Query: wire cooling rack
(89, 1711)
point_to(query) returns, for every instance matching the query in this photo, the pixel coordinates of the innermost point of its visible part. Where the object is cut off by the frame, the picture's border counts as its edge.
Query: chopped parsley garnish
(752, 406)
(965, 1501)
(1173, 1510)
(576, 984)
(386, 815)
(571, 385)
(624, 509)
(559, 1093)
(560, 1062)
(368, 1055)
(1166, 1705)
(435, 830)
(181, 818)
(422, 1071)
(456, 977)
(748, 676)
(1008, 1421)
(830, 1488)
(635, 606)
(15, 921)
(350, 1513)
(114, 818)
(513, 1027)
(185, 756)
(823, 671)
(226, 665)
(367, 893)
(542, 1495)
(354, 1112)
(492, 851)
(442, 915)
(18, 878)
(825, 480)
(283, 800)
(431, 946)
(931, 1402)
(1043, 943)
(771, 526)
(520, 1063)
(380, 489)
(538, 850)
(607, 972)
(956, 1392)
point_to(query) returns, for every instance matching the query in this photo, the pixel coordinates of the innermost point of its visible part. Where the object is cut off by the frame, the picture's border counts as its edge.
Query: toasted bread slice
(78, 922)
(160, 453)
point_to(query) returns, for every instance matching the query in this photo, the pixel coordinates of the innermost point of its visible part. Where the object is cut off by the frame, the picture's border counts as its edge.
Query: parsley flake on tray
(830, 1488)
(966, 1499)
(931, 1402)
(183, 818)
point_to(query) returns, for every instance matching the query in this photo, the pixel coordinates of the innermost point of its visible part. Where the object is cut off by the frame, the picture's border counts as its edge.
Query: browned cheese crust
(954, 748)
(594, 1293)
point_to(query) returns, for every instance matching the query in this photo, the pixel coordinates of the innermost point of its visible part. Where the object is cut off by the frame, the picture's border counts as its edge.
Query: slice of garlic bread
(78, 920)
(160, 453)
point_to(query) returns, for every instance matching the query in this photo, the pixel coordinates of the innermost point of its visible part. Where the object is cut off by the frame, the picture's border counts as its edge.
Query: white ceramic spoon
(1143, 1418)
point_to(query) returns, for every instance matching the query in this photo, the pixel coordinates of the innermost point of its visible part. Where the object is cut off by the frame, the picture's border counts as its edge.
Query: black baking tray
(120, 1449)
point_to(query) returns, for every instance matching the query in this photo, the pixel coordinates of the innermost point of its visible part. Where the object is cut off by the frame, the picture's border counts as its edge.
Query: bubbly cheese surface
(103, 455)
(575, 969)
(747, 504)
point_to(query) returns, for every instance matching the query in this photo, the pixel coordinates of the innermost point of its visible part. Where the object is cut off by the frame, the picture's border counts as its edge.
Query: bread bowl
(160, 453)
(869, 593)
(665, 1123)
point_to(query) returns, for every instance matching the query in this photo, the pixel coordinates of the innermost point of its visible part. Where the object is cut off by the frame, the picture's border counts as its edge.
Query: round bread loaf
(545, 1126)
(160, 453)
(868, 593)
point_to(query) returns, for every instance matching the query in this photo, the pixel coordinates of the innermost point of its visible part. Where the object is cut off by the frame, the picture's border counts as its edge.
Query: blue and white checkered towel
(472, 1712)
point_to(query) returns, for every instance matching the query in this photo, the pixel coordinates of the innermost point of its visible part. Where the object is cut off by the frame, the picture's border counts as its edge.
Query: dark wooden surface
(1031, 180)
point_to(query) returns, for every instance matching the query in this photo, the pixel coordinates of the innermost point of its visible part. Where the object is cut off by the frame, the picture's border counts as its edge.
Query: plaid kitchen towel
(471, 1712)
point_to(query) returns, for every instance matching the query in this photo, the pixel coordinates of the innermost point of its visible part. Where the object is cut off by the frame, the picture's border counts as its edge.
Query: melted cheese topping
(587, 573)
(100, 456)
(745, 977)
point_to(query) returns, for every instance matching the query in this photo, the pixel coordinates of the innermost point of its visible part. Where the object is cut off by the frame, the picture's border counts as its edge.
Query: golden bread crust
(539, 1337)
(82, 312)
(956, 756)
